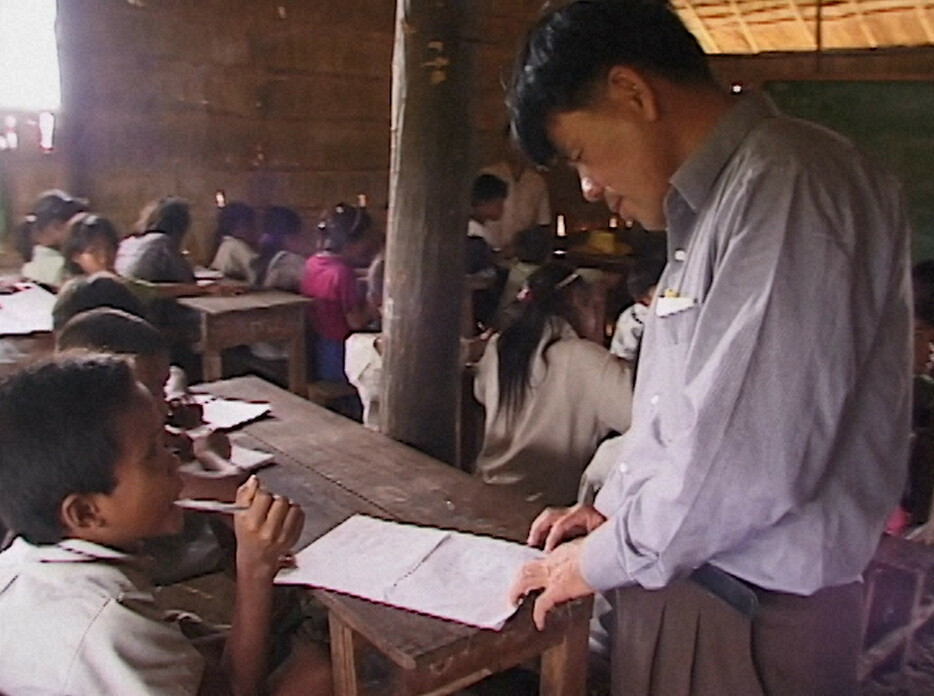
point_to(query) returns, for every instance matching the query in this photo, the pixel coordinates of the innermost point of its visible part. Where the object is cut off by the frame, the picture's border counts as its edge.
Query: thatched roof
(758, 26)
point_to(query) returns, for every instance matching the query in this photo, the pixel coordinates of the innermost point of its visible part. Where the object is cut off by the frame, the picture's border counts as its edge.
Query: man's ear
(627, 88)
(80, 512)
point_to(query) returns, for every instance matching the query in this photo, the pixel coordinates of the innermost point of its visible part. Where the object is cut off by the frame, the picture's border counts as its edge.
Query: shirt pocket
(675, 333)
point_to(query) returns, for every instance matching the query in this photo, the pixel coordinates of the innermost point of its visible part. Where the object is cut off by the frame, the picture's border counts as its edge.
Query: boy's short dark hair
(571, 49)
(643, 275)
(111, 331)
(90, 292)
(534, 244)
(58, 435)
(488, 187)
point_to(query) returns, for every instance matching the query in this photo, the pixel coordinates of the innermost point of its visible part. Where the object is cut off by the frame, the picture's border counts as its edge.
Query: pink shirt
(333, 285)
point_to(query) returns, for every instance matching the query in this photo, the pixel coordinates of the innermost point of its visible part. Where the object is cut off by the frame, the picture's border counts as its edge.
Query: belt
(730, 589)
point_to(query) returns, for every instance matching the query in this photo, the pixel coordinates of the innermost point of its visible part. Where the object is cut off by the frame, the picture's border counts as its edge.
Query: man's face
(620, 155)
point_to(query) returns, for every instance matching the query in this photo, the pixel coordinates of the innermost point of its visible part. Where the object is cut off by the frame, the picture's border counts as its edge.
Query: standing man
(526, 204)
(771, 415)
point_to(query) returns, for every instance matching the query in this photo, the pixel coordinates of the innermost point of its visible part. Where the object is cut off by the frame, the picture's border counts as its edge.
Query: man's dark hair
(58, 435)
(488, 187)
(111, 331)
(90, 292)
(570, 51)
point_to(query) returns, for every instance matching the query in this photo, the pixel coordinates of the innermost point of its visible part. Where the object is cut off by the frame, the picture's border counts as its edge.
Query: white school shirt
(47, 266)
(526, 205)
(79, 618)
(234, 258)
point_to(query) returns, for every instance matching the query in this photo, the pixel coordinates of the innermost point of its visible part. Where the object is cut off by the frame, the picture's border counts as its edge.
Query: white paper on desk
(451, 575)
(26, 311)
(247, 459)
(223, 414)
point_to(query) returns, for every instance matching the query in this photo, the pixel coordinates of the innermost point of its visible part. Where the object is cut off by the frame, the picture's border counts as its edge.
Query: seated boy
(84, 479)
(640, 282)
(487, 196)
(113, 331)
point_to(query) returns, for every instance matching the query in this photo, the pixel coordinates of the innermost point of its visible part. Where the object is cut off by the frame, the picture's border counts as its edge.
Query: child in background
(534, 247)
(155, 253)
(41, 234)
(101, 289)
(640, 282)
(339, 306)
(550, 389)
(280, 264)
(90, 245)
(487, 197)
(236, 242)
(84, 479)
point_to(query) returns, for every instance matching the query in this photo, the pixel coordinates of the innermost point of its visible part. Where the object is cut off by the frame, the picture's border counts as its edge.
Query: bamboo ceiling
(757, 26)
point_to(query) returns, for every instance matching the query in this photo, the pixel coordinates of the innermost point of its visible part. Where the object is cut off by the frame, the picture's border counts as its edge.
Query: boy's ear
(80, 512)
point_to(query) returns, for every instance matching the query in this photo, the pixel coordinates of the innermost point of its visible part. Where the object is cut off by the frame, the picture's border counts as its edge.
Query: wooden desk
(251, 318)
(335, 468)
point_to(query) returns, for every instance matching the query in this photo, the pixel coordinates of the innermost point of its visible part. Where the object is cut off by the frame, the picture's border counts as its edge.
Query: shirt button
(623, 468)
(654, 400)
(680, 254)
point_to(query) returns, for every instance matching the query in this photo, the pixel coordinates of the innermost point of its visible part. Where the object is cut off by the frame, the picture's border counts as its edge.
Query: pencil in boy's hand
(210, 506)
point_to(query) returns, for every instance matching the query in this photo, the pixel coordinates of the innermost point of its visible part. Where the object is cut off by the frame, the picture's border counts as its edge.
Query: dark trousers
(684, 641)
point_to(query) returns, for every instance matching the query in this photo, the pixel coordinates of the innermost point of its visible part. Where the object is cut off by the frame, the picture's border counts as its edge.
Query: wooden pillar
(430, 174)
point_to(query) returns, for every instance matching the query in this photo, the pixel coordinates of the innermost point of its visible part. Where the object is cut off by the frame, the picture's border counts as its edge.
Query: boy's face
(142, 504)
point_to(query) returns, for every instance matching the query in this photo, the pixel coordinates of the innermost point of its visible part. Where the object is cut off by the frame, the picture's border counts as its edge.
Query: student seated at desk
(339, 306)
(484, 279)
(91, 247)
(114, 331)
(640, 283)
(85, 478)
(40, 236)
(282, 255)
(102, 289)
(236, 242)
(551, 390)
(155, 253)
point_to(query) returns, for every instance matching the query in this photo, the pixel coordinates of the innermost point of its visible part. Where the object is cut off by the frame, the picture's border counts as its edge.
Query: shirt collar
(695, 177)
(74, 551)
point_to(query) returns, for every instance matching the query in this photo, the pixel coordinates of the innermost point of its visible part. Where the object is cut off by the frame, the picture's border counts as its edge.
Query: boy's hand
(265, 532)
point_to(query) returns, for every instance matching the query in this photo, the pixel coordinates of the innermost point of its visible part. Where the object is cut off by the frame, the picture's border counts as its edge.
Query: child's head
(487, 197)
(47, 224)
(643, 277)
(534, 245)
(171, 216)
(279, 225)
(89, 292)
(81, 455)
(345, 231)
(107, 330)
(237, 220)
(91, 244)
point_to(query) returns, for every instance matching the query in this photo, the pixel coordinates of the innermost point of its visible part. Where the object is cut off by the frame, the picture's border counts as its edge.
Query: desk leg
(298, 380)
(211, 365)
(564, 666)
(343, 658)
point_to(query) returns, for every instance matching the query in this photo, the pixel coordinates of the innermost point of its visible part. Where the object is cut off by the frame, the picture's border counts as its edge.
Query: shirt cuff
(598, 560)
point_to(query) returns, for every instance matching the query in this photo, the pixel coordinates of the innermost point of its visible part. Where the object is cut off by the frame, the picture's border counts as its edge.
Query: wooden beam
(861, 20)
(925, 22)
(705, 36)
(796, 10)
(750, 39)
(430, 173)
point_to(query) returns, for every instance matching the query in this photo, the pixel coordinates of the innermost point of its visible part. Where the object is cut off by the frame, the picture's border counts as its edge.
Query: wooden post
(430, 174)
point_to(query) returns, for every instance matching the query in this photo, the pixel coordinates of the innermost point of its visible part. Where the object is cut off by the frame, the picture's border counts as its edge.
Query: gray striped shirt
(771, 416)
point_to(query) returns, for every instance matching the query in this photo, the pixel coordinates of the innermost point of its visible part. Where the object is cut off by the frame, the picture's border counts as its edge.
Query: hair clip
(572, 276)
(30, 218)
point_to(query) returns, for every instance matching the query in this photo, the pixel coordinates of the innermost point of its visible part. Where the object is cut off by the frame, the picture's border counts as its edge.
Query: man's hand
(558, 574)
(555, 525)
